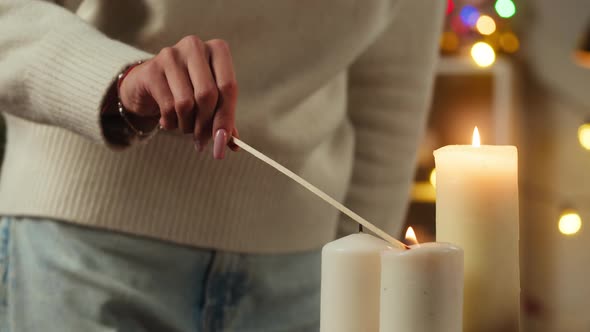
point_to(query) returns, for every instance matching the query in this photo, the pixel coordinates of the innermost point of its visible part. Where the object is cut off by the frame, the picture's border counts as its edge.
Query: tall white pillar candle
(477, 209)
(422, 289)
(351, 274)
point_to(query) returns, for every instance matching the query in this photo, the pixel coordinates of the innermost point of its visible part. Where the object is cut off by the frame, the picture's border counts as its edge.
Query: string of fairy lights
(481, 28)
(570, 221)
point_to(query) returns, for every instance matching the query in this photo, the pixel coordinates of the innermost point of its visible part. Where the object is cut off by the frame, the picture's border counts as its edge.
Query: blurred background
(520, 71)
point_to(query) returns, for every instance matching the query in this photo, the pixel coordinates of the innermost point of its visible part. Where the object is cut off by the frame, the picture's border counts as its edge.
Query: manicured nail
(219, 144)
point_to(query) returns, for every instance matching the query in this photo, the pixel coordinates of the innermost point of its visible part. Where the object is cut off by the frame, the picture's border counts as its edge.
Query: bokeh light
(483, 54)
(509, 42)
(458, 26)
(432, 177)
(582, 58)
(449, 41)
(505, 8)
(469, 15)
(485, 25)
(584, 135)
(570, 222)
(450, 6)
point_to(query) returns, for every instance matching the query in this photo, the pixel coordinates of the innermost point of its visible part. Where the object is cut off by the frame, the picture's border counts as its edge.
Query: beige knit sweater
(336, 90)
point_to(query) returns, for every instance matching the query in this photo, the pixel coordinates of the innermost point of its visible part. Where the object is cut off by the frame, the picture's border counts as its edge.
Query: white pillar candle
(477, 209)
(422, 289)
(351, 275)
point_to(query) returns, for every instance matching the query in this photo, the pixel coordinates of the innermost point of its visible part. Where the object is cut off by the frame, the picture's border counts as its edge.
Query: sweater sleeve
(390, 87)
(55, 69)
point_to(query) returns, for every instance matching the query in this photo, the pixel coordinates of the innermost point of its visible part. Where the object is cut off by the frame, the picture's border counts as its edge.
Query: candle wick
(360, 228)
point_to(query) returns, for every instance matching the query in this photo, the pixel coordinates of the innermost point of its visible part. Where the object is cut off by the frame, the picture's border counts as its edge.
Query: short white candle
(422, 289)
(477, 209)
(351, 275)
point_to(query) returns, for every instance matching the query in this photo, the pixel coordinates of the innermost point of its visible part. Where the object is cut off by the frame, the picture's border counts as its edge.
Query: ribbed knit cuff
(70, 77)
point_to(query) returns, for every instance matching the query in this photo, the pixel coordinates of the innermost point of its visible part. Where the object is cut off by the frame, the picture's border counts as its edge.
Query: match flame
(476, 140)
(411, 236)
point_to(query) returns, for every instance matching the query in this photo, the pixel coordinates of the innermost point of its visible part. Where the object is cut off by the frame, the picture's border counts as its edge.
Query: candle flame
(476, 140)
(411, 236)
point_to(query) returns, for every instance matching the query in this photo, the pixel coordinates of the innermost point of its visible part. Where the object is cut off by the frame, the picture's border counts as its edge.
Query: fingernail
(219, 144)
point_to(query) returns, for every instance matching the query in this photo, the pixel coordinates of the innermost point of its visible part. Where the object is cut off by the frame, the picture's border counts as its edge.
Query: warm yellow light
(449, 42)
(570, 223)
(485, 25)
(509, 42)
(411, 236)
(584, 135)
(483, 54)
(476, 140)
(582, 58)
(423, 192)
(433, 177)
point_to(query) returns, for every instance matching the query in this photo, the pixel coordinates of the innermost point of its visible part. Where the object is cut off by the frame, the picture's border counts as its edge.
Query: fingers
(181, 89)
(194, 86)
(225, 78)
(205, 92)
(161, 94)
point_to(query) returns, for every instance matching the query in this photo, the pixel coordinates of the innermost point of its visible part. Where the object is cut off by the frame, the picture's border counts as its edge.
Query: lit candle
(477, 209)
(422, 288)
(351, 276)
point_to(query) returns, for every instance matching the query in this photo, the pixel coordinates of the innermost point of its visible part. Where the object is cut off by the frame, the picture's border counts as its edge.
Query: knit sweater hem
(209, 207)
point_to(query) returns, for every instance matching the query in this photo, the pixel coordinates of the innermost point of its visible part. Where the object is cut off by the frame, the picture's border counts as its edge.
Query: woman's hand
(190, 86)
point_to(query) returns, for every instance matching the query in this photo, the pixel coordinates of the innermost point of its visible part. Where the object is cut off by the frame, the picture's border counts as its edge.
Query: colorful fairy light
(458, 26)
(584, 135)
(469, 15)
(505, 8)
(570, 222)
(481, 27)
(485, 25)
(450, 6)
(449, 41)
(509, 42)
(483, 54)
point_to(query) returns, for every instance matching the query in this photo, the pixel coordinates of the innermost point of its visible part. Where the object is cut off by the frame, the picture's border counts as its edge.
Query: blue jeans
(58, 277)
